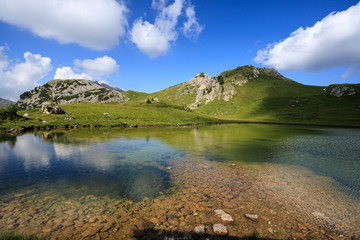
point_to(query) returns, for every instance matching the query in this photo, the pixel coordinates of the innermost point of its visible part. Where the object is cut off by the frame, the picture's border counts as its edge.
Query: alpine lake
(299, 182)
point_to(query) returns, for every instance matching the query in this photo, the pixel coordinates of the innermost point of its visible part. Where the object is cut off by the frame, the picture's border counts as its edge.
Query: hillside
(69, 91)
(243, 94)
(262, 94)
(5, 103)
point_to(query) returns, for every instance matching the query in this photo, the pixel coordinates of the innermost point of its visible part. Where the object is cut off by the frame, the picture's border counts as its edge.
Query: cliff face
(69, 91)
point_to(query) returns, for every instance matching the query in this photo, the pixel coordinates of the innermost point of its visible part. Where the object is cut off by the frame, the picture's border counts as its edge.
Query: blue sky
(149, 45)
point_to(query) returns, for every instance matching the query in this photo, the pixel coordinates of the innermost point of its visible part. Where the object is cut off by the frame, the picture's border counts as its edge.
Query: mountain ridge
(67, 92)
(4, 103)
(245, 93)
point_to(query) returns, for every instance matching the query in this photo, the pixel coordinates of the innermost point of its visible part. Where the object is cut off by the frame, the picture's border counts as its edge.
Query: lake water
(154, 183)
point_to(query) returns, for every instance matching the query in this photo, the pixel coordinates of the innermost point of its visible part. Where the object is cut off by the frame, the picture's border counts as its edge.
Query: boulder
(51, 108)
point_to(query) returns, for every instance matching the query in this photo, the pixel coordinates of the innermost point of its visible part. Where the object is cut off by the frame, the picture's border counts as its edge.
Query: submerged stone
(251, 216)
(220, 229)
(199, 229)
(224, 216)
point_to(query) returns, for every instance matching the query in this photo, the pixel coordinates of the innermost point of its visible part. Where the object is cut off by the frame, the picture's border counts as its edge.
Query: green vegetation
(135, 95)
(120, 114)
(259, 95)
(220, 79)
(8, 114)
(25, 95)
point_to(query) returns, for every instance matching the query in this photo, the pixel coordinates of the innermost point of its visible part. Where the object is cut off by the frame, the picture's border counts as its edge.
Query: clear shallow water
(93, 168)
(132, 163)
(118, 167)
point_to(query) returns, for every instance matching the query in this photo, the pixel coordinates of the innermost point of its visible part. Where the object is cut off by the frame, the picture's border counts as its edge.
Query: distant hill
(110, 87)
(69, 91)
(263, 94)
(5, 103)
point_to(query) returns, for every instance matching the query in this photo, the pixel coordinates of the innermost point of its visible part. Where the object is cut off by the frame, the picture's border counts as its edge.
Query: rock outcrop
(51, 108)
(342, 90)
(67, 92)
(223, 86)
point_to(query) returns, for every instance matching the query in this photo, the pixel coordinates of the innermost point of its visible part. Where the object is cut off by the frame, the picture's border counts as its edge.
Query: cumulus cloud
(156, 39)
(91, 23)
(89, 69)
(98, 67)
(68, 73)
(192, 28)
(20, 77)
(331, 42)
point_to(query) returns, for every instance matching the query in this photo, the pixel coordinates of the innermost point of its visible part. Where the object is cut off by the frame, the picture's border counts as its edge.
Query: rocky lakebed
(206, 200)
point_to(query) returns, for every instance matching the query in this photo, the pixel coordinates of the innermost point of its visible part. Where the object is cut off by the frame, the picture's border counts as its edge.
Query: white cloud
(192, 28)
(98, 67)
(68, 73)
(91, 23)
(149, 39)
(156, 39)
(18, 78)
(331, 42)
(90, 69)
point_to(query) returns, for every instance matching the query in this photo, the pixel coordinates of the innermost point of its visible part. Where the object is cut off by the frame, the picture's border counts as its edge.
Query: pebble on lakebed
(200, 229)
(251, 216)
(224, 216)
(220, 229)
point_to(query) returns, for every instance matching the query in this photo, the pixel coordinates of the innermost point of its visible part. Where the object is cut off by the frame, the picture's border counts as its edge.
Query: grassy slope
(267, 98)
(287, 102)
(135, 95)
(92, 114)
(271, 98)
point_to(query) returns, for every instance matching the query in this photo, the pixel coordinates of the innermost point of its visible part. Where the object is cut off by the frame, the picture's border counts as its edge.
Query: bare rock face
(51, 108)
(341, 90)
(69, 92)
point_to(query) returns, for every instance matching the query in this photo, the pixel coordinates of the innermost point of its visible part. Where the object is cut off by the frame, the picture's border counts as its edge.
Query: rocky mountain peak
(69, 91)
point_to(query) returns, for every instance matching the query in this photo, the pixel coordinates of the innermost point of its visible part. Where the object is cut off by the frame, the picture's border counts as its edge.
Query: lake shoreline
(221, 121)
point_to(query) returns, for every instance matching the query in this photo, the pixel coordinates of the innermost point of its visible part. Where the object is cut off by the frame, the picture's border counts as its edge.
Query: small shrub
(25, 95)
(12, 109)
(148, 100)
(220, 79)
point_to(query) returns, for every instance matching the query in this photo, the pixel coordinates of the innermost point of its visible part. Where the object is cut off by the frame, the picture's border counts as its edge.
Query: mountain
(263, 94)
(69, 91)
(5, 103)
(110, 87)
